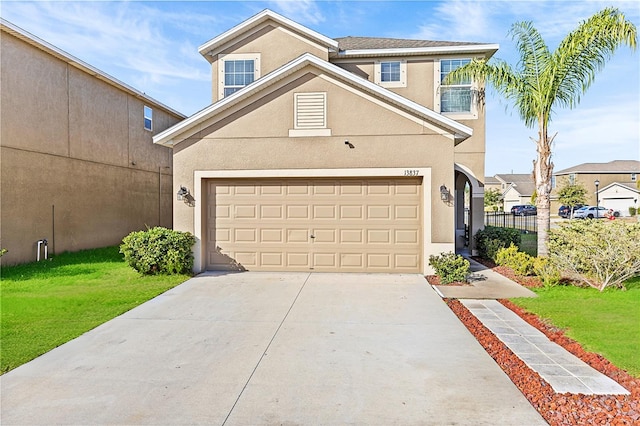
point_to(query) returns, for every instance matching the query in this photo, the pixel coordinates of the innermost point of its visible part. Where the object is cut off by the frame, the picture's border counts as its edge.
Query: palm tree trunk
(542, 171)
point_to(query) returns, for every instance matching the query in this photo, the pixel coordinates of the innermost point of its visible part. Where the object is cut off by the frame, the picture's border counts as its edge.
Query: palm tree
(544, 81)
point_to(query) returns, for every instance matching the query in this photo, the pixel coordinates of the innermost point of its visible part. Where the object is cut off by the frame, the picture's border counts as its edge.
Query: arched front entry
(469, 209)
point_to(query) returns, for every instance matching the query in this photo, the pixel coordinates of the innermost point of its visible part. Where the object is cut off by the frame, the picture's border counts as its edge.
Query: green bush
(599, 253)
(159, 251)
(633, 211)
(450, 267)
(520, 262)
(3, 251)
(546, 271)
(487, 248)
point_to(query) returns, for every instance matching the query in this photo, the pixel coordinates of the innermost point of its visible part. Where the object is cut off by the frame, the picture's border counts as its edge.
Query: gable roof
(50, 49)
(616, 166)
(207, 48)
(517, 178)
(375, 46)
(459, 131)
(624, 186)
(525, 189)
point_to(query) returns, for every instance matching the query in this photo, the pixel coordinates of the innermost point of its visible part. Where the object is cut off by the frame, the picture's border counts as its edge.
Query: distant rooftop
(616, 166)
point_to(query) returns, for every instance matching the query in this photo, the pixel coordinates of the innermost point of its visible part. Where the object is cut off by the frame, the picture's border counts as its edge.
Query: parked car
(590, 212)
(565, 211)
(524, 210)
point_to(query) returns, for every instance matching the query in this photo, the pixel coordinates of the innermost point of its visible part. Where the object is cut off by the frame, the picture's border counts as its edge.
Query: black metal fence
(508, 220)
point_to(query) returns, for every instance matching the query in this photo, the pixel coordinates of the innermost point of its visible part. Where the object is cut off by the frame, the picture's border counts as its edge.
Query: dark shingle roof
(616, 166)
(368, 43)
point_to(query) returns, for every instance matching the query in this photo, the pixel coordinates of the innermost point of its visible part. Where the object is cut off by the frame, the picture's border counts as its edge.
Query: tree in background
(572, 194)
(493, 199)
(544, 81)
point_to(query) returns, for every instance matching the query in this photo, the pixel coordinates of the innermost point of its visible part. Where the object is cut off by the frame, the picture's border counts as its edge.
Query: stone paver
(565, 372)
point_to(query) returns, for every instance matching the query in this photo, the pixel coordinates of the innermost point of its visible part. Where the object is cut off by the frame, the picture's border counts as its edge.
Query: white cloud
(305, 12)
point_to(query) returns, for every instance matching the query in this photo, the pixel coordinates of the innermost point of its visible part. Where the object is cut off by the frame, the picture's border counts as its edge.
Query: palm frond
(585, 51)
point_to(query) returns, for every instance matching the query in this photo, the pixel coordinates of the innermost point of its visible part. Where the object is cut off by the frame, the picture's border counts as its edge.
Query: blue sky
(153, 46)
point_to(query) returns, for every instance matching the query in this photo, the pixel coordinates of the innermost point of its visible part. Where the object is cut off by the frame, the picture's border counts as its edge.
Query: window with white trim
(634, 177)
(148, 118)
(391, 73)
(572, 179)
(236, 71)
(310, 114)
(454, 98)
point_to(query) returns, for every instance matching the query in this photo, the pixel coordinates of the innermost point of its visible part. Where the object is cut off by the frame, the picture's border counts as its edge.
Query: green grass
(48, 303)
(606, 323)
(529, 244)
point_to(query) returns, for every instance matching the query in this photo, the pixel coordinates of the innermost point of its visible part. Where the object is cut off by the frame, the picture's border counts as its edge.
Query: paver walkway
(561, 369)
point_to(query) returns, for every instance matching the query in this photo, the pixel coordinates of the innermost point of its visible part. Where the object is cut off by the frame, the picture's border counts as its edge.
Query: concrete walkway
(264, 349)
(485, 284)
(562, 370)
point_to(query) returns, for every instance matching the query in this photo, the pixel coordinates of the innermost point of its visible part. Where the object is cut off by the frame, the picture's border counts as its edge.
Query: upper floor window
(634, 177)
(454, 98)
(572, 179)
(237, 71)
(553, 182)
(148, 118)
(391, 73)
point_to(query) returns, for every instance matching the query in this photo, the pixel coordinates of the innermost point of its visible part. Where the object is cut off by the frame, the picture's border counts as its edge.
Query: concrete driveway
(272, 348)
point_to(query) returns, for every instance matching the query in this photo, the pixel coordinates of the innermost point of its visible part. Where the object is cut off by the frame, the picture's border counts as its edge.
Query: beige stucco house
(322, 154)
(617, 183)
(78, 165)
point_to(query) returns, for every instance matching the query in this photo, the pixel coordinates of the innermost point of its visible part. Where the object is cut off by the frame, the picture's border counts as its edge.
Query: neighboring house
(517, 189)
(322, 154)
(79, 168)
(617, 183)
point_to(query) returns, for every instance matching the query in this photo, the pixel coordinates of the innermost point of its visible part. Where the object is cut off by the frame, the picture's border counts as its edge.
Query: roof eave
(487, 50)
(206, 48)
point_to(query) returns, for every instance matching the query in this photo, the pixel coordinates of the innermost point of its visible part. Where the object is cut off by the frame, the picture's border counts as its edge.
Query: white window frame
(378, 73)
(634, 177)
(147, 113)
(572, 179)
(473, 113)
(236, 57)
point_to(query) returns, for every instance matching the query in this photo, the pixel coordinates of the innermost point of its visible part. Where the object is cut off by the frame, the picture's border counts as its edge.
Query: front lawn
(48, 303)
(605, 322)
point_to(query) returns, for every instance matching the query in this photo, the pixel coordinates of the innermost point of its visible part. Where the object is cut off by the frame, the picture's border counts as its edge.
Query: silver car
(590, 212)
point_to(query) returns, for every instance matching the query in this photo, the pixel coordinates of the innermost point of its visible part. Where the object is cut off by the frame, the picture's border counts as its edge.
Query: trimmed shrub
(159, 251)
(546, 271)
(633, 211)
(488, 248)
(599, 253)
(450, 267)
(520, 262)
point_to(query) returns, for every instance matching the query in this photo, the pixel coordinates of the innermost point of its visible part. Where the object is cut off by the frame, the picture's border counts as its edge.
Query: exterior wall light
(182, 194)
(444, 193)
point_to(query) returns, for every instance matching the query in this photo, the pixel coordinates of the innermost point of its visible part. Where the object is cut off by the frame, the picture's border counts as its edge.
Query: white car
(590, 212)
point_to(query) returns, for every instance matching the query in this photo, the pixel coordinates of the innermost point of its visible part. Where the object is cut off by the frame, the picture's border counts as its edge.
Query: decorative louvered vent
(311, 110)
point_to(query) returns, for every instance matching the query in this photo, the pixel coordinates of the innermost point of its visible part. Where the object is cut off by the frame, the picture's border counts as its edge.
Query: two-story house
(615, 183)
(79, 167)
(322, 154)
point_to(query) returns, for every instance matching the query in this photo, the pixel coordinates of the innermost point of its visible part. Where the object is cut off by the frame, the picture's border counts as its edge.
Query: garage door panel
(358, 224)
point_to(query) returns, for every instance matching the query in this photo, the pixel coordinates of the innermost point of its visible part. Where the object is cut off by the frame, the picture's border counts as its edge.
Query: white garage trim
(201, 175)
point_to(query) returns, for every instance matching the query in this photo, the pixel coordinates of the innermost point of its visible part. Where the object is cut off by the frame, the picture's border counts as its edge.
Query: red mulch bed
(557, 409)
(435, 280)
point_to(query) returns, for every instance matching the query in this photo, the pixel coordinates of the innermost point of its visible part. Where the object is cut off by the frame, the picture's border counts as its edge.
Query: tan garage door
(350, 225)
